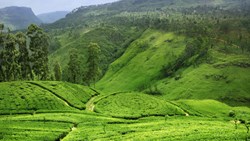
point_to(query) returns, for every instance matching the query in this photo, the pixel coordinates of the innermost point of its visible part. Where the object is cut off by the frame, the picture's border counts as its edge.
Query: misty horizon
(47, 6)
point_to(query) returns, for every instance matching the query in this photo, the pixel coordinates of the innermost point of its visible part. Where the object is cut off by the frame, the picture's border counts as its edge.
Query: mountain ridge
(51, 17)
(16, 17)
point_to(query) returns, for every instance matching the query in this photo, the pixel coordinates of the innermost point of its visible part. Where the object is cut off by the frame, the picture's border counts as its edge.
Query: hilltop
(52, 16)
(18, 17)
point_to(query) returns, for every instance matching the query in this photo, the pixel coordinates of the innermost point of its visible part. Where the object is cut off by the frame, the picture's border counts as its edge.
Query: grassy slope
(206, 82)
(28, 97)
(75, 95)
(225, 77)
(142, 62)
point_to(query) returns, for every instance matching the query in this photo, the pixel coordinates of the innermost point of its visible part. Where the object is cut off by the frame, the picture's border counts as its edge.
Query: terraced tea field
(54, 111)
(135, 105)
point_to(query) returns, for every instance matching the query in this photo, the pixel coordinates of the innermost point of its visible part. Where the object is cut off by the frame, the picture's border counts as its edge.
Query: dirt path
(90, 106)
(71, 129)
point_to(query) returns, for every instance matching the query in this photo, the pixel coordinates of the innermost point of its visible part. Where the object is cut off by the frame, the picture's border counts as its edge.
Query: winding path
(90, 106)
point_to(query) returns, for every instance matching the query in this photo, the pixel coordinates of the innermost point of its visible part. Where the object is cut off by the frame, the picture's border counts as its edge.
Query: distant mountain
(52, 16)
(18, 17)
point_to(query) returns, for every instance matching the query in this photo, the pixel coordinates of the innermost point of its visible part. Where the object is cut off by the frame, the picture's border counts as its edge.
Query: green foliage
(54, 45)
(57, 72)
(74, 73)
(39, 43)
(29, 97)
(198, 71)
(192, 50)
(93, 63)
(142, 62)
(1, 27)
(9, 56)
(23, 59)
(75, 95)
(24, 56)
(21, 97)
(51, 119)
(135, 105)
(232, 114)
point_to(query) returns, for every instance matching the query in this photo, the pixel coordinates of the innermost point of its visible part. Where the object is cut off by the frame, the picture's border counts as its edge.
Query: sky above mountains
(45, 6)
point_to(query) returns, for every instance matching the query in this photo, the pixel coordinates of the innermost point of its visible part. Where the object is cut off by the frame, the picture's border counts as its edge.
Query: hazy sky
(44, 6)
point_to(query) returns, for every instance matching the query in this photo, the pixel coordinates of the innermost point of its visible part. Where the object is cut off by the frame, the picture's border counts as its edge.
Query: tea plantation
(35, 111)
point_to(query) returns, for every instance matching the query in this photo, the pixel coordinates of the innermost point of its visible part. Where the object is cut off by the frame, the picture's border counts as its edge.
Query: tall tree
(39, 43)
(23, 60)
(10, 68)
(1, 28)
(1, 48)
(74, 68)
(93, 63)
(57, 72)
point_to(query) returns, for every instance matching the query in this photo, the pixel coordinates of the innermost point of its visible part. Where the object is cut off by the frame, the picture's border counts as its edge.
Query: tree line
(24, 56)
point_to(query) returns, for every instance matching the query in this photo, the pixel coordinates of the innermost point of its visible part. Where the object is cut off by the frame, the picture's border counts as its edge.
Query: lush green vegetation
(135, 105)
(199, 123)
(33, 97)
(24, 56)
(160, 70)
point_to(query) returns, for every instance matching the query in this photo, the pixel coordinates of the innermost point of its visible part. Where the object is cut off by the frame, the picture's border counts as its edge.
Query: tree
(10, 68)
(74, 69)
(1, 28)
(57, 72)
(39, 43)
(93, 63)
(1, 47)
(54, 45)
(23, 59)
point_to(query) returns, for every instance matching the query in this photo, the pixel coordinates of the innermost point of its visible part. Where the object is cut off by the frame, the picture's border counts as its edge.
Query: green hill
(29, 97)
(115, 26)
(225, 76)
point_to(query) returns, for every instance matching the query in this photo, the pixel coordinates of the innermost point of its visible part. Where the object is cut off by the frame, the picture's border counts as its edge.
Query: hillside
(223, 76)
(29, 97)
(18, 17)
(52, 16)
(114, 29)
